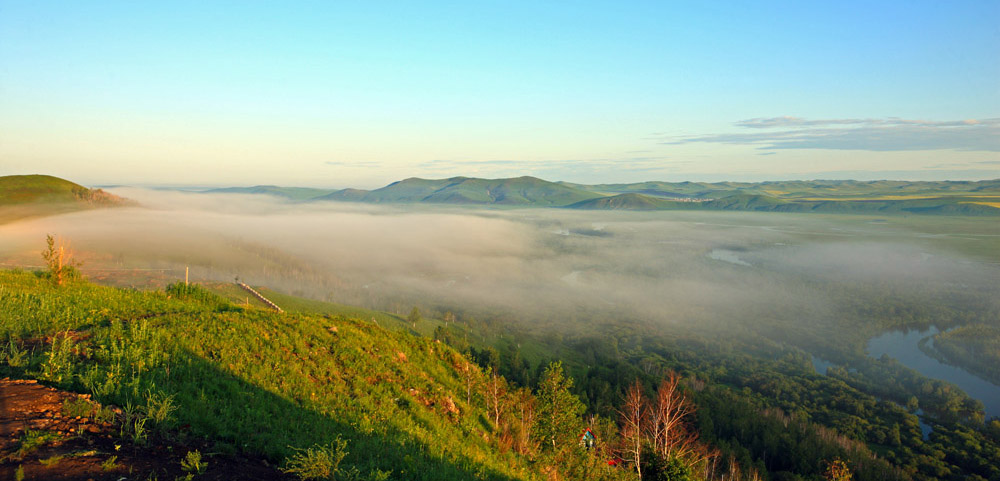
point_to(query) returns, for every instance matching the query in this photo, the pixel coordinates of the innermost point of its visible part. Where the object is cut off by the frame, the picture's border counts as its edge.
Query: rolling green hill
(625, 202)
(802, 189)
(24, 196)
(290, 193)
(39, 189)
(256, 381)
(519, 191)
(345, 195)
(979, 198)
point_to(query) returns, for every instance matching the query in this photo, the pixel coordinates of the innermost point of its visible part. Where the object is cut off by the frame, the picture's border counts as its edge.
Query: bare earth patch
(38, 437)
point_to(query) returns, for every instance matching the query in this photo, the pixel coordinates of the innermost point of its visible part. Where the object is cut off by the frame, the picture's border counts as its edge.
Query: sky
(360, 94)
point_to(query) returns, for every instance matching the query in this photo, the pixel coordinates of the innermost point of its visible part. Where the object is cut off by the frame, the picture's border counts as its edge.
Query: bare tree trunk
(634, 418)
(497, 396)
(672, 409)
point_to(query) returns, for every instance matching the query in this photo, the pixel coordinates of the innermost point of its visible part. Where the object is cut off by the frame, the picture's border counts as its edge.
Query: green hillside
(260, 383)
(802, 189)
(625, 202)
(24, 196)
(969, 198)
(291, 193)
(831, 197)
(345, 195)
(32, 189)
(519, 191)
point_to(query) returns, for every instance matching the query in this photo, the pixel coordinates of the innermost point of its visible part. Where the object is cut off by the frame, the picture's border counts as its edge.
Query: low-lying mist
(547, 267)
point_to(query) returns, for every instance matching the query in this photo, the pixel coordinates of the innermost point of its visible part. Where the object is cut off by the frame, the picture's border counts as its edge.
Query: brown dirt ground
(82, 445)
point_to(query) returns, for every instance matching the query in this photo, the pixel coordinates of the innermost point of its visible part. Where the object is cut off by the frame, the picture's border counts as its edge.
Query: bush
(59, 364)
(60, 262)
(192, 463)
(656, 467)
(317, 462)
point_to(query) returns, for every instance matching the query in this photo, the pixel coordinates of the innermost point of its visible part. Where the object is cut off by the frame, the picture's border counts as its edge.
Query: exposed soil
(79, 448)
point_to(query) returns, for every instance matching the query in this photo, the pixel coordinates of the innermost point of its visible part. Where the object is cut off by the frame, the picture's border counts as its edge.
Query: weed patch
(317, 462)
(33, 439)
(78, 407)
(192, 463)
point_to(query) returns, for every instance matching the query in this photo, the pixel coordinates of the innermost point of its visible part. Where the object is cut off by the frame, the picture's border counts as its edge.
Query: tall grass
(256, 381)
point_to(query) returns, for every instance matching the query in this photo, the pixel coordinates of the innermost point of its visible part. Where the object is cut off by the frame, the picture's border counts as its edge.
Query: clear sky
(359, 94)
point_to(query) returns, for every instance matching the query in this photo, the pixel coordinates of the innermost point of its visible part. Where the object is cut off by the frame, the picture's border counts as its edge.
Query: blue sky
(363, 93)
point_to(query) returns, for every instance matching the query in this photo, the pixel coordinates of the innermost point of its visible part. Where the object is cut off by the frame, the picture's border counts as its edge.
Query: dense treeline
(749, 390)
(974, 347)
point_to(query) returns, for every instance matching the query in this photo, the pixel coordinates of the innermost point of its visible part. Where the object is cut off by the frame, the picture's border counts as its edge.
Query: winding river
(903, 346)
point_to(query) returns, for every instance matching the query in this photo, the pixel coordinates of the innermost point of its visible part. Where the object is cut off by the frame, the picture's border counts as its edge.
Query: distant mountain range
(828, 196)
(976, 198)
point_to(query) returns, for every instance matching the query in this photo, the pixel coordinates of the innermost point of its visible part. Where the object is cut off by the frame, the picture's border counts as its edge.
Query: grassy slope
(828, 196)
(263, 382)
(631, 201)
(240, 297)
(464, 190)
(803, 189)
(24, 189)
(882, 197)
(291, 193)
(23, 196)
(345, 195)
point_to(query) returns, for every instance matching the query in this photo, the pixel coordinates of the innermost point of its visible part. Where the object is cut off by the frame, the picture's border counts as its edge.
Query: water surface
(903, 346)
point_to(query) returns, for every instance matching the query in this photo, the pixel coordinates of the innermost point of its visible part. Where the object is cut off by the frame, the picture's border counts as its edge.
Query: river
(903, 347)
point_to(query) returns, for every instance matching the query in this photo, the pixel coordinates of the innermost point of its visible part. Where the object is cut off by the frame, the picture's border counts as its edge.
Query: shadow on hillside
(221, 406)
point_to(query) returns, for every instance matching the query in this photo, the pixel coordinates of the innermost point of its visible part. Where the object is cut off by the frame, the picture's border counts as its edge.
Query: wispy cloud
(890, 134)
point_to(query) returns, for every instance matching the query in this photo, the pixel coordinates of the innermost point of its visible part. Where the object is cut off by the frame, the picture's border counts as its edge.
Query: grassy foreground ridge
(255, 381)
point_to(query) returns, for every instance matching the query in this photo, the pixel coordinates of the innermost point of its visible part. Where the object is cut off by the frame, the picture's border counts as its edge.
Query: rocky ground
(48, 434)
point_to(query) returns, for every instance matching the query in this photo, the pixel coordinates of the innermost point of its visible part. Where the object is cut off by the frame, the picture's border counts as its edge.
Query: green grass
(33, 439)
(256, 381)
(110, 464)
(294, 304)
(19, 189)
(951, 198)
(24, 196)
(522, 191)
(77, 408)
(290, 193)
(51, 461)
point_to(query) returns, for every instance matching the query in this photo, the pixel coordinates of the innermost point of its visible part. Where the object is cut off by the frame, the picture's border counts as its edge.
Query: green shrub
(58, 365)
(77, 407)
(13, 355)
(194, 292)
(134, 424)
(60, 262)
(192, 463)
(159, 407)
(33, 439)
(317, 462)
(110, 464)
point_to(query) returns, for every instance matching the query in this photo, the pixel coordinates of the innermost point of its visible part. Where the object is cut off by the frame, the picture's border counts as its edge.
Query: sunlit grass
(253, 381)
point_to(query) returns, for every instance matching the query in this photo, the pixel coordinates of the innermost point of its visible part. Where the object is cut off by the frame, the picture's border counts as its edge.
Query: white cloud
(889, 134)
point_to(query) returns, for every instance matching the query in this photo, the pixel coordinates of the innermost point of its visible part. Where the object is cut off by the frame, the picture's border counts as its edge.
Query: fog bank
(548, 267)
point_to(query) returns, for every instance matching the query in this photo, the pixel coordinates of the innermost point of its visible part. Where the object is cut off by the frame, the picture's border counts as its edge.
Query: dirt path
(39, 436)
